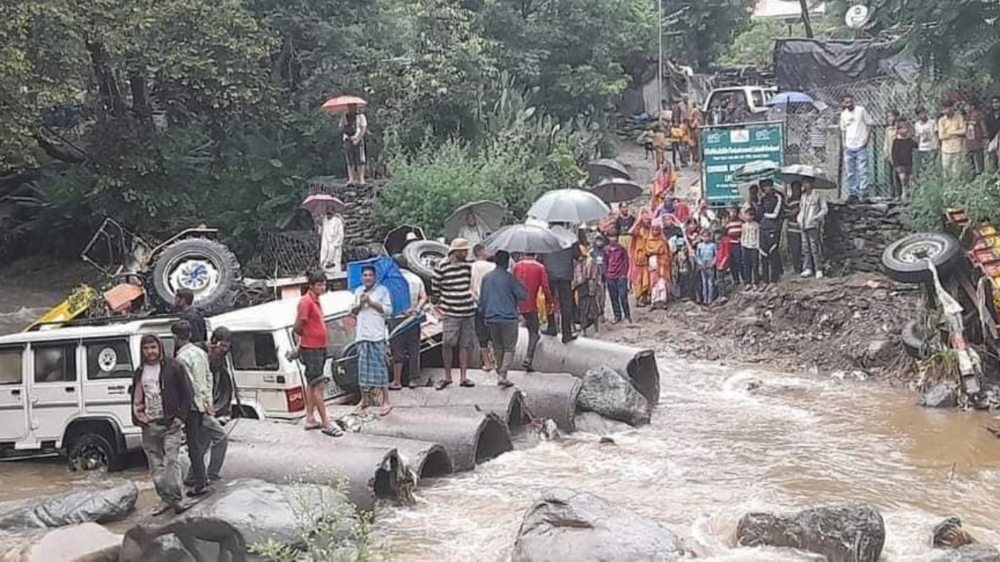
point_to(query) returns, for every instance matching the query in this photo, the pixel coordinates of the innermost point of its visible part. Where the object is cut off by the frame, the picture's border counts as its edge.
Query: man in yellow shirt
(951, 131)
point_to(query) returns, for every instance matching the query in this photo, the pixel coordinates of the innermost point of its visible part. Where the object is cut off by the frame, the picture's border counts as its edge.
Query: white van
(69, 390)
(753, 98)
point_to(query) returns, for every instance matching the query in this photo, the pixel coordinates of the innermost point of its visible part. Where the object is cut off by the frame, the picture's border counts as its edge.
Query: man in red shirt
(310, 326)
(532, 275)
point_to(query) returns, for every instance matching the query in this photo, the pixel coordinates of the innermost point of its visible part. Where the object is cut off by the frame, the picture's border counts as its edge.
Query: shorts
(460, 332)
(355, 153)
(314, 361)
(482, 331)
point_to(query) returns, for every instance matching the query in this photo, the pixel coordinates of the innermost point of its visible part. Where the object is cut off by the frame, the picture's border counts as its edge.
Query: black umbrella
(608, 168)
(527, 239)
(396, 240)
(617, 190)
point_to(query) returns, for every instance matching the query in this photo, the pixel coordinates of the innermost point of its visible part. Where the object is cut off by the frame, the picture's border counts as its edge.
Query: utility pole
(659, 59)
(805, 18)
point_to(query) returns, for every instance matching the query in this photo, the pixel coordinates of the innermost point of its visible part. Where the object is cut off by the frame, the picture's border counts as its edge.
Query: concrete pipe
(469, 436)
(546, 395)
(368, 472)
(422, 458)
(487, 397)
(583, 354)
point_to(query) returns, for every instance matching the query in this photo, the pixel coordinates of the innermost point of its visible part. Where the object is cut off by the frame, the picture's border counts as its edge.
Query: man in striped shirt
(451, 287)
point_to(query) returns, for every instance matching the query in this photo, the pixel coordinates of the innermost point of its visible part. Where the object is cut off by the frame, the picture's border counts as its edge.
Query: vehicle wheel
(205, 267)
(92, 451)
(423, 256)
(904, 260)
(914, 341)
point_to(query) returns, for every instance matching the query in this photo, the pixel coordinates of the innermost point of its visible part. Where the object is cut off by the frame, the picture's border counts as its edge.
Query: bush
(934, 193)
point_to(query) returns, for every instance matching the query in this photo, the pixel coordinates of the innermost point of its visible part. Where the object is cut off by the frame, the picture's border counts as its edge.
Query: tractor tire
(914, 341)
(904, 259)
(206, 267)
(422, 256)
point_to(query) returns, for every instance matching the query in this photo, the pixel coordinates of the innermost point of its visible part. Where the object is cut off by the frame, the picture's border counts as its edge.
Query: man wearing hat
(451, 287)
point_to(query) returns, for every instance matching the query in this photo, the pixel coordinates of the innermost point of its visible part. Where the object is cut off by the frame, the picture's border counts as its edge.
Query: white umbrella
(489, 216)
(572, 206)
(527, 239)
(800, 172)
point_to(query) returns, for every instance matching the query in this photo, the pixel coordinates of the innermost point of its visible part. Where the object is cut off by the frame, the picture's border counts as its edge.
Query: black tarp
(805, 64)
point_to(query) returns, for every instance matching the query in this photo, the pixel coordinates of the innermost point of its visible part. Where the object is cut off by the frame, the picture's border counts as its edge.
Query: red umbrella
(341, 103)
(319, 203)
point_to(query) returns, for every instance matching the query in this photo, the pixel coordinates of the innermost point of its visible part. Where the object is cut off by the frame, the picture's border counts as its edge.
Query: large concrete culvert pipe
(508, 403)
(469, 436)
(583, 354)
(425, 459)
(546, 395)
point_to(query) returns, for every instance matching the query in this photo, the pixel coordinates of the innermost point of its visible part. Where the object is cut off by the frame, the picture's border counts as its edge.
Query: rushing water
(715, 451)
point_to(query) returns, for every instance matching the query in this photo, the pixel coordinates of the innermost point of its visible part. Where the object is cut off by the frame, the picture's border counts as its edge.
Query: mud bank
(846, 325)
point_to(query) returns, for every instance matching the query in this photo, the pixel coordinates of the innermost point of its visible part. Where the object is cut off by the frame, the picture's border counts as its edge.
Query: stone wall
(856, 234)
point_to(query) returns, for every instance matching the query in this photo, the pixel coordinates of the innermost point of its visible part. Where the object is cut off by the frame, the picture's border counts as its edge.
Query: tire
(212, 273)
(914, 341)
(423, 256)
(92, 451)
(902, 260)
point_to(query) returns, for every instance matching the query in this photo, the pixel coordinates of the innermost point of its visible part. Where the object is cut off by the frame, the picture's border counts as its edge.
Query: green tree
(698, 31)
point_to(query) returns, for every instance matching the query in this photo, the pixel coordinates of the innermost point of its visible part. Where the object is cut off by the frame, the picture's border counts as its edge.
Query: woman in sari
(587, 284)
(664, 183)
(639, 271)
(659, 266)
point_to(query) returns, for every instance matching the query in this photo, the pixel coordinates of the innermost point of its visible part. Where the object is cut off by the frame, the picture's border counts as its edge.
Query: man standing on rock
(501, 292)
(532, 275)
(194, 359)
(161, 400)
(372, 304)
(855, 128)
(451, 286)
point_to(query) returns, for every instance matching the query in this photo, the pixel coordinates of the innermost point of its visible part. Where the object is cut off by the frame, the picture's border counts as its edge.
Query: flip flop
(333, 431)
(385, 411)
(395, 387)
(313, 427)
(504, 383)
(467, 384)
(442, 384)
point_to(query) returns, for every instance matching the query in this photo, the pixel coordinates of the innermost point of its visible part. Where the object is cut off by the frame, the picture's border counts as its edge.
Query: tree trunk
(111, 95)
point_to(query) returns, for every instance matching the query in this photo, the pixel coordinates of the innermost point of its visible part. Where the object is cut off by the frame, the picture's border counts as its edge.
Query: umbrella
(527, 239)
(319, 203)
(341, 103)
(396, 240)
(799, 172)
(573, 206)
(608, 168)
(489, 216)
(785, 98)
(616, 190)
(756, 171)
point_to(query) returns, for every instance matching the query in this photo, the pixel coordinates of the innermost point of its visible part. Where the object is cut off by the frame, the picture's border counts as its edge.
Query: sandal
(395, 387)
(333, 431)
(504, 383)
(313, 426)
(442, 384)
(467, 383)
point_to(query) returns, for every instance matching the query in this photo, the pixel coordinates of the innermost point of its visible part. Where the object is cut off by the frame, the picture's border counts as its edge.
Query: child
(750, 246)
(734, 232)
(684, 277)
(705, 256)
(902, 158)
(659, 145)
(680, 141)
(645, 140)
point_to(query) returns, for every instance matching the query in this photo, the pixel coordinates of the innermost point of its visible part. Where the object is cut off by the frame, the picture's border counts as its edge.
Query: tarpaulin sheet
(804, 64)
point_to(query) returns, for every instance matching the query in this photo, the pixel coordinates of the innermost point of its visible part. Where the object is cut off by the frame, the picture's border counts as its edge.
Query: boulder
(970, 553)
(86, 542)
(85, 505)
(842, 532)
(238, 516)
(940, 396)
(610, 394)
(570, 525)
(589, 422)
(950, 534)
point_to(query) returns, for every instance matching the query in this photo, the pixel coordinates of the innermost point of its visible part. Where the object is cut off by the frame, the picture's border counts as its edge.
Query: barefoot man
(372, 305)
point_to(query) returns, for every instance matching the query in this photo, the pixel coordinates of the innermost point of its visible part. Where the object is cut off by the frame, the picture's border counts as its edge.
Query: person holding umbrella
(353, 128)
(812, 211)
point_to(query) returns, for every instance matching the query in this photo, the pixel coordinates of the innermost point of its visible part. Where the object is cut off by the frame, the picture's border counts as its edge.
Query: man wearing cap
(451, 288)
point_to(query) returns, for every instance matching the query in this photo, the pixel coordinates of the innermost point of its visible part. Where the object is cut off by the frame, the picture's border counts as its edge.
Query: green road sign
(727, 147)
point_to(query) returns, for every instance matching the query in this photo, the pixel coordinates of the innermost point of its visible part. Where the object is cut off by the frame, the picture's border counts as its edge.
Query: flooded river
(713, 452)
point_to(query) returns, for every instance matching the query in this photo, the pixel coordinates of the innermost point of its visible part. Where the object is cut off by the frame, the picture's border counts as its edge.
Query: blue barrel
(386, 274)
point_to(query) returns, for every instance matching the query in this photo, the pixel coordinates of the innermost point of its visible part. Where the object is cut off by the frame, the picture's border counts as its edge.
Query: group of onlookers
(677, 131)
(963, 135)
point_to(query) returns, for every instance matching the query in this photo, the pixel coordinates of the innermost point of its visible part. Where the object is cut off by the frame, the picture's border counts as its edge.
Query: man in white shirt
(480, 268)
(372, 305)
(354, 127)
(855, 128)
(925, 130)
(331, 241)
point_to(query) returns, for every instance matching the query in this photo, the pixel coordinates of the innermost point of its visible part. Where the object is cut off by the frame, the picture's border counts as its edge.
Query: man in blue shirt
(498, 298)
(372, 305)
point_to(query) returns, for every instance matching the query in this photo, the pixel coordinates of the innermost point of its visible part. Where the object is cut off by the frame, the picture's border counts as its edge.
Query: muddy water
(715, 451)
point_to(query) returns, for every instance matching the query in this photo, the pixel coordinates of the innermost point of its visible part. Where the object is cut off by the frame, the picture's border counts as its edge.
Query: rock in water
(86, 542)
(569, 525)
(940, 396)
(950, 534)
(970, 553)
(85, 505)
(842, 532)
(606, 392)
(237, 517)
(589, 422)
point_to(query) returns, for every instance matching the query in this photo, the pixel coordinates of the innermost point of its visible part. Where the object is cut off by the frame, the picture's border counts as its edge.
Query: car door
(54, 388)
(107, 384)
(13, 395)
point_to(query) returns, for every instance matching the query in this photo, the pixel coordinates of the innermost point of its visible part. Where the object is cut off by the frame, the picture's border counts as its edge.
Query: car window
(10, 365)
(109, 359)
(55, 363)
(758, 98)
(340, 334)
(254, 351)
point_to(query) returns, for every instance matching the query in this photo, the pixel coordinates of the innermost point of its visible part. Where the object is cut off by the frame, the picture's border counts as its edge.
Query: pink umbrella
(341, 103)
(319, 203)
